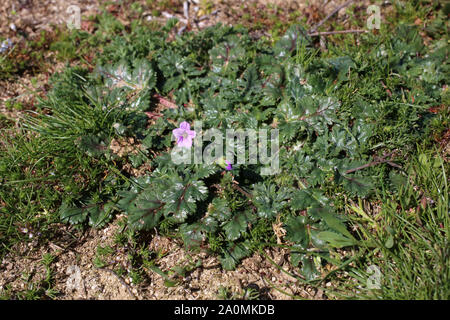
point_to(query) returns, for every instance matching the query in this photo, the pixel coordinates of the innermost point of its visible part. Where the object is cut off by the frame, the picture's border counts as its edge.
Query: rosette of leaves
(295, 37)
(218, 219)
(228, 56)
(140, 77)
(268, 200)
(135, 82)
(96, 209)
(167, 194)
(178, 70)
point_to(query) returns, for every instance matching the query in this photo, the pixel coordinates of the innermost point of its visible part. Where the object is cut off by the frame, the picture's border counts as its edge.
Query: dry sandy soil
(75, 275)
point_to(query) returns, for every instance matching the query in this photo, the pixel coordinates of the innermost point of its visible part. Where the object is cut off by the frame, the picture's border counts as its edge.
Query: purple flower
(224, 163)
(184, 135)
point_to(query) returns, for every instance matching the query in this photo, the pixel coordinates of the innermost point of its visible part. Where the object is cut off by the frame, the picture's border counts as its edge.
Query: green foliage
(334, 115)
(409, 240)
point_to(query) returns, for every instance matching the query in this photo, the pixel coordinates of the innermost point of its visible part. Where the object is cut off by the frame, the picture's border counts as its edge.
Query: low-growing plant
(346, 118)
(405, 242)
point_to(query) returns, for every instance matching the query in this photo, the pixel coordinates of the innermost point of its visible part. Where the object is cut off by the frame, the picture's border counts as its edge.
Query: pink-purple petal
(185, 143)
(184, 135)
(185, 126)
(178, 132)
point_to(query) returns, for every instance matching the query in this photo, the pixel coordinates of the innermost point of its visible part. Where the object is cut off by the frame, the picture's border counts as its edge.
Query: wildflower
(184, 135)
(224, 164)
(6, 44)
(228, 167)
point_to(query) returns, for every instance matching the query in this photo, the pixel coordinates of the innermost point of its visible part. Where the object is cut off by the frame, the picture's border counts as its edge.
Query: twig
(63, 249)
(376, 162)
(330, 15)
(326, 33)
(182, 29)
(207, 16)
(121, 281)
(316, 113)
(245, 193)
(186, 10)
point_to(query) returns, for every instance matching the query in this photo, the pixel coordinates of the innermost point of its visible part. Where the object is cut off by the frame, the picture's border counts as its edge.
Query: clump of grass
(407, 241)
(44, 165)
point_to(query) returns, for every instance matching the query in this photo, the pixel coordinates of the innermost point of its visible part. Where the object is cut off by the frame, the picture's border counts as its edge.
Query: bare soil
(75, 275)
